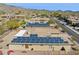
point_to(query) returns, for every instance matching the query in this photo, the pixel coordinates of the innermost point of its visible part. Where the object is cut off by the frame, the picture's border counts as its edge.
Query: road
(68, 30)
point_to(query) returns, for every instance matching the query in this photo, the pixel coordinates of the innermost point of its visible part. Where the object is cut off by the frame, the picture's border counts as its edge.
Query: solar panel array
(36, 24)
(35, 39)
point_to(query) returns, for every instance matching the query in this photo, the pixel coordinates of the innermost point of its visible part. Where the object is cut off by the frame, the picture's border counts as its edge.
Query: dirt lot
(42, 31)
(7, 39)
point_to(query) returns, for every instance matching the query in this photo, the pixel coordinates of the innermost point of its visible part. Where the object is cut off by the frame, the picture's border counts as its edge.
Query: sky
(48, 6)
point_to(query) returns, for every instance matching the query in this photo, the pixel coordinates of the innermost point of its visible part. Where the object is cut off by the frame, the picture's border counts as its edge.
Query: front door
(26, 46)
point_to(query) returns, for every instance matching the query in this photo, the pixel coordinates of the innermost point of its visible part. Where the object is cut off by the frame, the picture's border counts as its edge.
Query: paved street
(68, 30)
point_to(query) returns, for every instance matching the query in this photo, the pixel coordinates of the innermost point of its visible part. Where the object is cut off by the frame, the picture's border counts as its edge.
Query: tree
(2, 12)
(12, 24)
(28, 17)
(56, 14)
(22, 22)
(1, 30)
(50, 21)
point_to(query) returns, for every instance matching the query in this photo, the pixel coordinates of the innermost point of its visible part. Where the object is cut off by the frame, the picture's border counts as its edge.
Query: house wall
(40, 47)
(17, 47)
(58, 48)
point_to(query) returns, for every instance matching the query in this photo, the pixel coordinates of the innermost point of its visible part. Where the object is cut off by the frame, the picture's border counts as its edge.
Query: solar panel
(36, 24)
(35, 39)
(23, 41)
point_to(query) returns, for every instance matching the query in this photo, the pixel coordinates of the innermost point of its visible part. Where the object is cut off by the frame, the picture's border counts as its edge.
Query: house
(36, 43)
(40, 40)
(73, 19)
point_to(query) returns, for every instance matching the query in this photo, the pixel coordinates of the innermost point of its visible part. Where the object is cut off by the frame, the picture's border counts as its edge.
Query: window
(26, 46)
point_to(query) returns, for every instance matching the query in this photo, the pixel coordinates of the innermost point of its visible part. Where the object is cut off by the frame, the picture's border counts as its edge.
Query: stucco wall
(58, 48)
(39, 47)
(17, 47)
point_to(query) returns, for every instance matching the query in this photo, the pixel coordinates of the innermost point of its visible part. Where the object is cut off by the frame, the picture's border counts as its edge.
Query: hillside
(9, 12)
